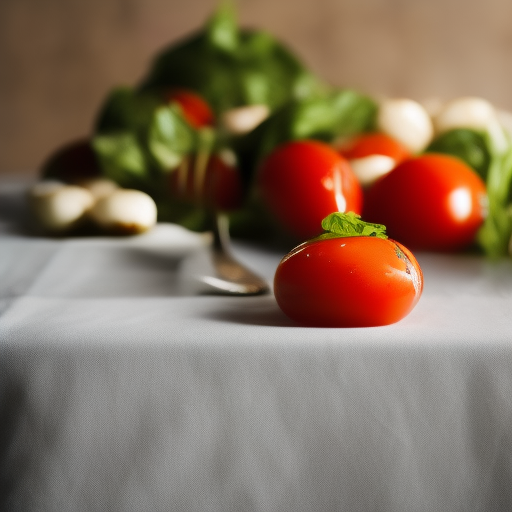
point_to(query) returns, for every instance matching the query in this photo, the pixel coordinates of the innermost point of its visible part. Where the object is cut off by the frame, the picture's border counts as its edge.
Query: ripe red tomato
(432, 202)
(301, 182)
(72, 163)
(359, 281)
(372, 155)
(195, 109)
(219, 188)
(368, 144)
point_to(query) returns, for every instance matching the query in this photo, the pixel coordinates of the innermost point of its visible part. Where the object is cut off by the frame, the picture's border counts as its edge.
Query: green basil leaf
(222, 28)
(231, 67)
(469, 145)
(342, 225)
(126, 109)
(169, 137)
(495, 234)
(121, 157)
(139, 139)
(269, 73)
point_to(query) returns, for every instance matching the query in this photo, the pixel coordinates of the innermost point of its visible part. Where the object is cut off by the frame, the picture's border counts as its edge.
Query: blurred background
(59, 58)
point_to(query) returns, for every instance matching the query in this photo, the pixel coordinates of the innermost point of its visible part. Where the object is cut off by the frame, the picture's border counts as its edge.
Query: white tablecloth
(123, 389)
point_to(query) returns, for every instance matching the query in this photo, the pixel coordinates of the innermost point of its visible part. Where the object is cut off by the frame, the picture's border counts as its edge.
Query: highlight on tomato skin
(433, 202)
(303, 181)
(359, 281)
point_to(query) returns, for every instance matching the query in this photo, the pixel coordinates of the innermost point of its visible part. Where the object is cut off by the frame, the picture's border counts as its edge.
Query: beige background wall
(58, 58)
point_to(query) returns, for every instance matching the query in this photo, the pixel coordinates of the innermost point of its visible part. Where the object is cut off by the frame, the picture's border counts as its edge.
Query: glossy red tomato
(301, 182)
(432, 202)
(217, 186)
(195, 109)
(348, 282)
(368, 144)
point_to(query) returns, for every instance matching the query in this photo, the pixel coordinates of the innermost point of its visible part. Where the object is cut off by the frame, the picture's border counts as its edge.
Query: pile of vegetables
(229, 119)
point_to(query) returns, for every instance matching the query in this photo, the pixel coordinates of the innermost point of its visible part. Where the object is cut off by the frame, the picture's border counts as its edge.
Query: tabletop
(124, 386)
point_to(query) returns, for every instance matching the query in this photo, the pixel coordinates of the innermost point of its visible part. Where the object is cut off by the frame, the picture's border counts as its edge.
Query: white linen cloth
(123, 389)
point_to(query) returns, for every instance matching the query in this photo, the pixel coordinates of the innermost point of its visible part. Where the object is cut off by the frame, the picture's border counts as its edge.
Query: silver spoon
(231, 277)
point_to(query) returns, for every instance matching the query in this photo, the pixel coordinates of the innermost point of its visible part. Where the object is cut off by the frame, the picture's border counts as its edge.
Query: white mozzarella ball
(473, 113)
(406, 121)
(369, 168)
(99, 187)
(505, 120)
(125, 211)
(58, 208)
(467, 112)
(240, 120)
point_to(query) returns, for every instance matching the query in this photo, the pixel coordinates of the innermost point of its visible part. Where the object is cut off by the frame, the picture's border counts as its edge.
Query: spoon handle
(232, 277)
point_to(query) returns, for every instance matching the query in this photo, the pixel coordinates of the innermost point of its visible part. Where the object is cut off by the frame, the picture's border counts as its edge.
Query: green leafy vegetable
(469, 145)
(323, 117)
(222, 30)
(169, 137)
(495, 234)
(124, 109)
(121, 158)
(231, 67)
(138, 139)
(341, 225)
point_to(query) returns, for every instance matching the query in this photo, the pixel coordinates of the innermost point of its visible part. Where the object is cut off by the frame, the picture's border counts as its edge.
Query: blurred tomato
(372, 155)
(368, 144)
(301, 182)
(72, 163)
(432, 202)
(214, 184)
(195, 109)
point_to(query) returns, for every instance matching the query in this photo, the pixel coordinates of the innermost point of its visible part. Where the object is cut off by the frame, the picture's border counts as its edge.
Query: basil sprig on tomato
(341, 225)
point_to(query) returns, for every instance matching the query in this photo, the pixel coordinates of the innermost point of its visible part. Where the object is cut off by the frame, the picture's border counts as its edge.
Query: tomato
(195, 109)
(368, 144)
(372, 155)
(72, 163)
(432, 202)
(359, 281)
(301, 182)
(219, 188)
